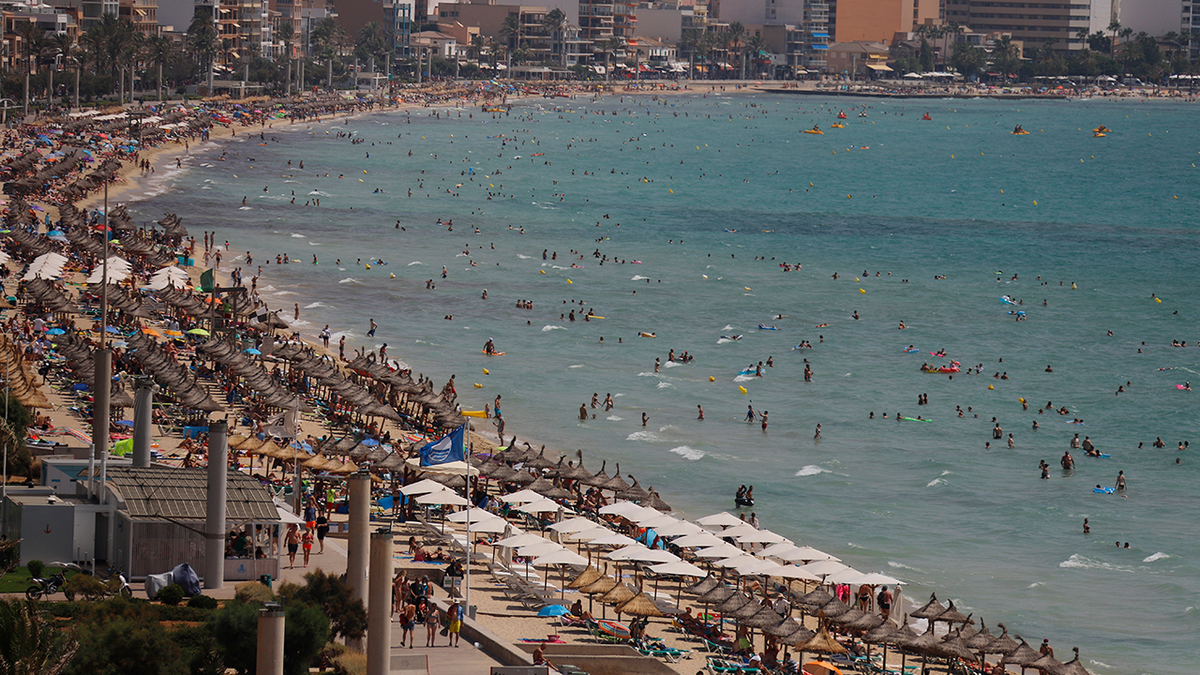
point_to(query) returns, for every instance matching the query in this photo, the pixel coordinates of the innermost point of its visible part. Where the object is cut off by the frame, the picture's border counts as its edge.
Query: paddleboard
(913, 419)
(1104, 491)
(912, 351)
(1180, 386)
(493, 354)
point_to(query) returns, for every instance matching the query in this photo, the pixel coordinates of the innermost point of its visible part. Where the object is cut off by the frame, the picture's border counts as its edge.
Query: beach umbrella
(553, 610)
(883, 634)
(748, 610)
(540, 461)
(679, 528)
(794, 572)
(1046, 664)
(757, 567)
(525, 496)
(876, 579)
(719, 551)
(523, 539)
(824, 568)
(599, 586)
(618, 595)
(677, 569)
(557, 491)
(635, 492)
(841, 576)
(573, 525)
(1072, 667)
(733, 562)
(540, 486)
(443, 497)
(627, 510)
(1002, 644)
(814, 599)
(594, 533)
(542, 506)
(473, 515)
(540, 548)
(424, 486)
(821, 643)
(557, 558)
(952, 646)
(639, 605)
(759, 537)
(733, 603)
(655, 501)
(642, 554)
(716, 595)
(490, 525)
(764, 618)
(611, 539)
(597, 479)
(849, 616)
(588, 576)
(1023, 655)
(704, 585)
(809, 554)
(866, 622)
(522, 478)
(698, 540)
(980, 639)
(929, 610)
(951, 615)
(784, 628)
(723, 519)
(616, 483)
(834, 607)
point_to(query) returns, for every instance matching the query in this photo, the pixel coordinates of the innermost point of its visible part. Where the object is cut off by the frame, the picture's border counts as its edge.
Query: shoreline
(132, 183)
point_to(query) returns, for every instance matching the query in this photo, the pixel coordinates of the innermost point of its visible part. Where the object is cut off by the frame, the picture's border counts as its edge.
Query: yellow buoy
(861, 291)
(368, 267)
(1035, 202)
(485, 371)
(990, 387)
(745, 288)
(478, 386)
(542, 271)
(857, 279)
(393, 275)
(569, 281)
(743, 390)
(711, 378)
(364, 170)
(671, 191)
(1158, 300)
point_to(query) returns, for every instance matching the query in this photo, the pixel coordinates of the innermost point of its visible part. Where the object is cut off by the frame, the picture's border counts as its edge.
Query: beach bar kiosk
(159, 516)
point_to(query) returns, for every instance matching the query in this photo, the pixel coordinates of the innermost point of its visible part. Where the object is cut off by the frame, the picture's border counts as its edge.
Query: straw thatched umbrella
(541, 486)
(952, 647)
(703, 586)
(1023, 655)
(1072, 667)
(635, 493)
(864, 623)
(557, 491)
(733, 603)
(618, 595)
(656, 502)
(929, 610)
(1002, 644)
(981, 639)
(820, 643)
(598, 587)
(746, 611)
(616, 483)
(540, 462)
(833, 608)
(639, 605)
(716, 595)
(849, 616)
(784, 628)
(522, 478)
(587, 577)
(576, 471)
(599, 478)
(921, 644)
(764, 618)
(883, 634)
(813, 600)
(1045, 663)
(951, 615)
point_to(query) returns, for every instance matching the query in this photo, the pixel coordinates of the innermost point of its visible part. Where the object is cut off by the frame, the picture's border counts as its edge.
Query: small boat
(1020, 133)
(838, 125)
(814, 131)
(1098, 135)
(742, 501)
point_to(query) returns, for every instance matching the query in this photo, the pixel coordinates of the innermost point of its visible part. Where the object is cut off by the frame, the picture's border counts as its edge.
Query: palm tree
(755, 45)
(555, 22)
(30, 644)
(475, 50)
(286, 33)
(510, 29)
(1114, 27)
(733, 44)
(159, 49)
(1005, 55)
(203, 41)
(610, 46)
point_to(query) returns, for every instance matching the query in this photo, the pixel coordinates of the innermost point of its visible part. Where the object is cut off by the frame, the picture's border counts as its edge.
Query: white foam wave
(550, 328)
(669, 427)
(298, 236)
(722, 341)
(672, 364)
(901, 566)
(267, 289)
(811, 470)
(1157, 556)
(415, 262)
(638, 277)
(315, 305)
(1077, 561)
(284, 293)
(245, 208)
(744, 378)
(614, 418)
(1035, 584)
(648, 374)
(727, 327)
(645, 436)
(688, 453)
(524, 257)
(577, 365)
(349, 280)
(1102, 664)
(665, 385)
(935, 481)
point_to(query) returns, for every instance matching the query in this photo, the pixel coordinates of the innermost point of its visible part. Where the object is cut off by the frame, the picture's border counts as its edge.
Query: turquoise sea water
(695, 188)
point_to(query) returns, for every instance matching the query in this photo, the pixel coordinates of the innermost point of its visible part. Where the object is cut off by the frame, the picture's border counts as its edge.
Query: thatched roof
(1002, 644)
(601, 585)
(1072, 667)
(733, 603)
(922, 643)
(716, 595)
(764, 618)
(618, 594)
(587, 577)
(981, 639)
(703, 586)
(952, 646)
(640, 605)
(1023, 654)
(929, 610)
(884, 632)
(821, 643)
(951, 615)
(784, 628)
(1045, 663)
(815, 599)
(865, 623)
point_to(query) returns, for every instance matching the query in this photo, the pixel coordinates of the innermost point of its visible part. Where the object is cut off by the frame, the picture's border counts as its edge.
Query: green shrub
(253, 592)
(202, 602)
(85, 587)
(171, 594)
(35, 567)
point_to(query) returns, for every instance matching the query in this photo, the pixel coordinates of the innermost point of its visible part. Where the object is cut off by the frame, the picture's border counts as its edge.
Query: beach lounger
(659, 650)
(718, 666)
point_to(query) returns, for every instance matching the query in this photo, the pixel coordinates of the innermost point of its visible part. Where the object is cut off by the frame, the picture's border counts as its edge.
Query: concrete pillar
(143, 419)
(359, 541)
(100, 412)
(214, 523)
(379, 607)
(270, 640)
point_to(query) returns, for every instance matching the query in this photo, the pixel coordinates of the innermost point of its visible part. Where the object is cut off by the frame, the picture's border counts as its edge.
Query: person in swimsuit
(293, 544)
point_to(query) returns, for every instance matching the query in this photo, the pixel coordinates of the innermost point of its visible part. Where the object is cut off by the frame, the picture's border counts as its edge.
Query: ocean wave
(1102, 664)
(245, 208)
(577, 365)
(298, 236)
(688, 453)
(349, 280)
(727, 327)
(548, 328)
(1077, 561)
(745, 378)
(315, 305)
(1157, 556)
(648, 374)
(524, 257)
(284, 293)
(1036, 584)
(638, 277)
(415, 262)
(614, 418)
(811, 470)
(668, 427)
(935, 481)
(646, 436)
(672, 364)
(722, 341)
(665, 385)
(901, 566)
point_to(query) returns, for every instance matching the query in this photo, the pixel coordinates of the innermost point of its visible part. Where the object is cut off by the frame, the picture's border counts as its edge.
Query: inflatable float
(1104, 490)
(913, 419)
(762, 326)
(649, 335)
(493, 353)
(1020, 133)
(742, 501)
(912, 351)
(952, 368)
(1007, 300)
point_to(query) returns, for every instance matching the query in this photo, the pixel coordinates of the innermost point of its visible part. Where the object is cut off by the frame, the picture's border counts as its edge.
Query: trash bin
(265, 580)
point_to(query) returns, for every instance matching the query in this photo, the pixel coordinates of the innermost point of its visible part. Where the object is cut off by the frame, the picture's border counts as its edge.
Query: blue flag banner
(449, 448)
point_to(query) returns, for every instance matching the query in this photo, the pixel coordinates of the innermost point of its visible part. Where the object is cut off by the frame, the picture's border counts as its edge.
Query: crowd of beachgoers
(751, 605)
